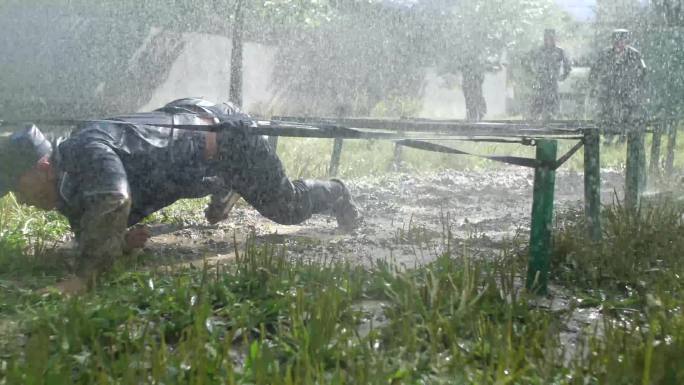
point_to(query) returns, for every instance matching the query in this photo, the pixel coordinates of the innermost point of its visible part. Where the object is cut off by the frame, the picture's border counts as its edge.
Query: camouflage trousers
(616, 120)
(546, 102)
(101, 234)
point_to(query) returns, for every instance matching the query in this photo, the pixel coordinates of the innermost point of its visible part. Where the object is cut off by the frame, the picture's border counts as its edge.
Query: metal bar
(592, 182)
(464, 129)
(568, 155)
(398, 129)
(335, 157)
(411, 124)
(671, 145)
(635, 167)
(542, 217)
(654, 166)
(570, 123)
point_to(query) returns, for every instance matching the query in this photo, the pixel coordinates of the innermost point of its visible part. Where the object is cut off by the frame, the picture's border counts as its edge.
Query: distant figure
(473, 77)
(549, 65)
(617, 79)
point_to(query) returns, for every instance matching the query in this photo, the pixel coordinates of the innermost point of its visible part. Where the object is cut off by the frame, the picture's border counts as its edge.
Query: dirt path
(405, 218)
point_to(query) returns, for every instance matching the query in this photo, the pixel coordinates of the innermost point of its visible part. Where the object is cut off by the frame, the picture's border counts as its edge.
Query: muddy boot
(220, 205)
(344, 209)
(334, 197)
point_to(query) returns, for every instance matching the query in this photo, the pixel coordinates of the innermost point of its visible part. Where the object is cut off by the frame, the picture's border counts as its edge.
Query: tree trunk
(235, 95)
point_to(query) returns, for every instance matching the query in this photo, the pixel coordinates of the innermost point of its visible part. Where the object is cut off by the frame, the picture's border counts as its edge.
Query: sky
(581, 9)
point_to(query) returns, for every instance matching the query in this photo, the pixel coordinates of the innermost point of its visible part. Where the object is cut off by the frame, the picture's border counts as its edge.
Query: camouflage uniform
(618, 80)
(549, 65)
(115, 172)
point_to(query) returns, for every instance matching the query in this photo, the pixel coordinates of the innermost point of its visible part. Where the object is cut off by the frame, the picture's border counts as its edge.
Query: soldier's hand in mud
(137, 237)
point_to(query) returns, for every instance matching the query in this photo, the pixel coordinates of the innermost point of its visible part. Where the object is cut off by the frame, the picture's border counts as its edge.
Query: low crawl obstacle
(422, 134)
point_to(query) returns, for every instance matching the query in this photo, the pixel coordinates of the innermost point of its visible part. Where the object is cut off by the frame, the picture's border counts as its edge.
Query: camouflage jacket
(550, 65)
(619, 77)
(114, 172)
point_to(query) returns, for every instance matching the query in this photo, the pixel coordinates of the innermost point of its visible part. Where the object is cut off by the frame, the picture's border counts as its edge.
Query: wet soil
(407, 218)
(410, 220)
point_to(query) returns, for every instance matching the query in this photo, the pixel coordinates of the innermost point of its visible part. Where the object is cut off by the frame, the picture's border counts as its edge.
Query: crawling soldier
(110, 174)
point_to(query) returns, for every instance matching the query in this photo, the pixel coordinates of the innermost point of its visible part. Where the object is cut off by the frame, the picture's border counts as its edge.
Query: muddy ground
(406, 218)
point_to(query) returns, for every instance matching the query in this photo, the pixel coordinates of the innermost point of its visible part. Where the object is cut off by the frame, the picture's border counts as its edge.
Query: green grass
(269, 319)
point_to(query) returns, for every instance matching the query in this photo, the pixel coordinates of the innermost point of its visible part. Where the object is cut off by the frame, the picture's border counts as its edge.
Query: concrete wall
(443, 96)
(203, 70)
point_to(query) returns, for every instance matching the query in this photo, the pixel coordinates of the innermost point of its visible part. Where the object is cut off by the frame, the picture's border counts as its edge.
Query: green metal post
(635, 173)
(335, 157)
(654, 166)
(592, 182)
(542, 217)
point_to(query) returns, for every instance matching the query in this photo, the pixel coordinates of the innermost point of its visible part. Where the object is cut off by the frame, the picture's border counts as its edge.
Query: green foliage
(268, 319)
(639, 249)
(635, 275)
(28, 237)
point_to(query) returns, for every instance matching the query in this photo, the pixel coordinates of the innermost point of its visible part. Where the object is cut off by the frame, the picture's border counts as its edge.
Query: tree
(489, 34)
(661, 33)
(235, 94)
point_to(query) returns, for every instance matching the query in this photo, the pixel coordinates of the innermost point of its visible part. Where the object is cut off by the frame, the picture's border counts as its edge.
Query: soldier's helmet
(19, 152)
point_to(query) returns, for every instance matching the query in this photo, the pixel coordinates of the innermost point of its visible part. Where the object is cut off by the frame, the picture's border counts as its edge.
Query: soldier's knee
(112, 203)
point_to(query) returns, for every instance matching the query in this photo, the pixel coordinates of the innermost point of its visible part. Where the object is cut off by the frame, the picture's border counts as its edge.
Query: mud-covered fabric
(249, 165)
(549, 66)
(115, 172)
(152, 166)
(102, 232)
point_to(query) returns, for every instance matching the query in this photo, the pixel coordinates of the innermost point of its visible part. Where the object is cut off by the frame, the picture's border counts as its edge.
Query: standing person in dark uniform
(617, 79)
(472, 78)
(110, 174)
(549, 65)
